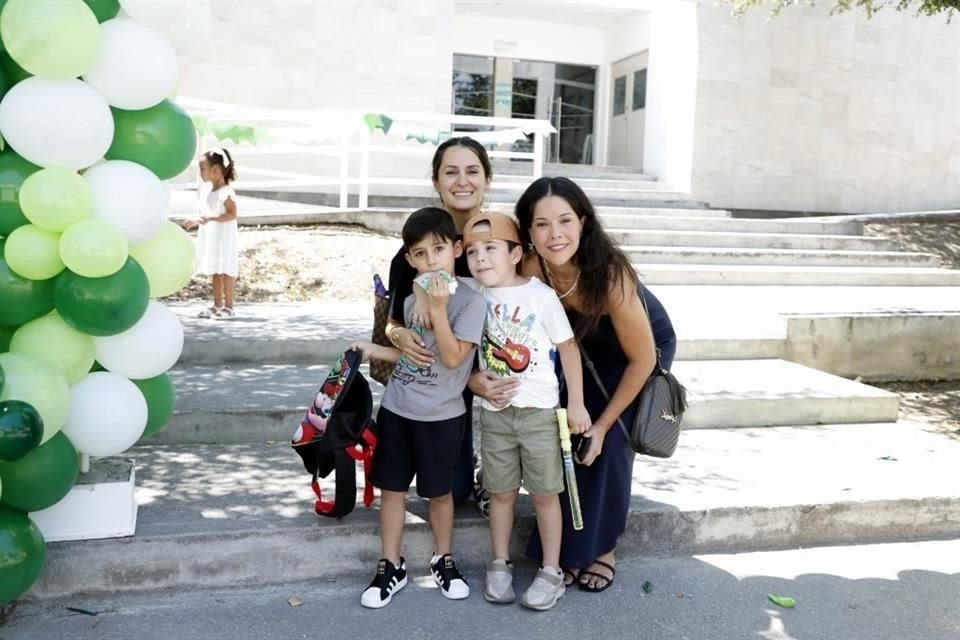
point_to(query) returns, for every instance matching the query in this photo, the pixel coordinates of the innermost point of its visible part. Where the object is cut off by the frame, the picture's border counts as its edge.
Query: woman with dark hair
(569, 250)
(461, 173)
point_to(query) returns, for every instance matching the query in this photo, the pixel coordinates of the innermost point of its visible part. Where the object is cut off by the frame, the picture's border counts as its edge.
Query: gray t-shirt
(436, 393)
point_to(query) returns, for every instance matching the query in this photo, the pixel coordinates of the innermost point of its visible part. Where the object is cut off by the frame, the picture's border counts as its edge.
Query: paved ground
(881, 592)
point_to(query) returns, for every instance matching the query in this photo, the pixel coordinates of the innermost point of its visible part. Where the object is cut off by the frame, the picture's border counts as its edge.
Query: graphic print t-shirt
(436, 392)
(523, 326)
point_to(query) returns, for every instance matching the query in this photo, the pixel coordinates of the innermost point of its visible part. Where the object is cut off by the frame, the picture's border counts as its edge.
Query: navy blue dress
(604, 486)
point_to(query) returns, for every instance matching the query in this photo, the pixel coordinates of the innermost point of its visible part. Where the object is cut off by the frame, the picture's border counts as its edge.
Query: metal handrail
(342, 134)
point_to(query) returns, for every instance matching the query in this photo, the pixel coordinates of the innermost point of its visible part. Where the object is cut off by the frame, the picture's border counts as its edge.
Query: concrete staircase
(775, 453)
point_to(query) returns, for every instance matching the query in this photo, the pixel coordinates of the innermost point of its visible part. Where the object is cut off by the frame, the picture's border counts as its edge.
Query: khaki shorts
(521, 446)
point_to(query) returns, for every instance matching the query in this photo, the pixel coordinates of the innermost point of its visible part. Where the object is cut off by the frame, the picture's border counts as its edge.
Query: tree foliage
(921, 7)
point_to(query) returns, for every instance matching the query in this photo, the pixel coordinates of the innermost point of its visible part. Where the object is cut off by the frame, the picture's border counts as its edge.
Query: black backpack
(337, 432)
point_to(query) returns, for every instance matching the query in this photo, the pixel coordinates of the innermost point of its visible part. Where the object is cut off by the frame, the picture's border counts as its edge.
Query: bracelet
(392, 336)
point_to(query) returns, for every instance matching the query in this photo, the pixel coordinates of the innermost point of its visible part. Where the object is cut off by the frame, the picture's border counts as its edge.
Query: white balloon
(136, 67)
(185, 22)
(129, 196)
(108, 414)
(146, 349)
(56, 123)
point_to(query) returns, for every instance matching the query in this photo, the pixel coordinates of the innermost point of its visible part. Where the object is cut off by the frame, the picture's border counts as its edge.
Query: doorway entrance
(628, 111)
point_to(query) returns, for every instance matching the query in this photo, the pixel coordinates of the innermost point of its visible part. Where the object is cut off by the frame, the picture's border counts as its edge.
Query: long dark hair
(221, 157)
(603, 266)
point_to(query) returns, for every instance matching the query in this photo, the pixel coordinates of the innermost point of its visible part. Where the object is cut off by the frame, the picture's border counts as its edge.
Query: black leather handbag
(660, 406)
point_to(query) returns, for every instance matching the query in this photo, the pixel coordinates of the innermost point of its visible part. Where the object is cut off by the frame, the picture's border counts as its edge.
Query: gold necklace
(550, 279)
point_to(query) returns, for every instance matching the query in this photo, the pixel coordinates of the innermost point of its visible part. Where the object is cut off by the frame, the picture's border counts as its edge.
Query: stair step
(730, 274)
(612, 214)
(265, 403)
(698, 220)
(763, 393)
(786, 257)
(746, 240)
(223, 515)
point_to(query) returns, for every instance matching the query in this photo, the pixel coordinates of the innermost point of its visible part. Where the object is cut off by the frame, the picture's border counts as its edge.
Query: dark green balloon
(102, 306)
(4, 85)
(14, 72)
(21, 429)
(3, 376)
(161, 399)
(41, 478)
(21, 300)
(161, 138)
(13, 171)
(104, 9)
(22, 554)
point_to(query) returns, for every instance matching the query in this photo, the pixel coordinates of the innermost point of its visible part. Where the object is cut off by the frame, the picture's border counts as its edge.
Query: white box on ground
(100, 505)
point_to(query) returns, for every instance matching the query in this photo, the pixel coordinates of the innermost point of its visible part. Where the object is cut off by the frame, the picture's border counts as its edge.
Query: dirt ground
(299, 263)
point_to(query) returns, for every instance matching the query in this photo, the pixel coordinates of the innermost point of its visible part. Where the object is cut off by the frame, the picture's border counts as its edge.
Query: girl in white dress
(217, 251)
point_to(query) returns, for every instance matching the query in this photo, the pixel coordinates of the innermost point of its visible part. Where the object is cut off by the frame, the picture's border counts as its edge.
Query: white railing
(345, 136)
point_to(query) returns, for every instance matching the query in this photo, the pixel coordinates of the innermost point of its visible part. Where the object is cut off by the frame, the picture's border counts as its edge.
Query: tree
(922, 7)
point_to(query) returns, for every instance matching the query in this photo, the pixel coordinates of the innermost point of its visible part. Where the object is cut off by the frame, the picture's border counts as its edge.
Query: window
(639, 89)
(472, 85)
(620, 96)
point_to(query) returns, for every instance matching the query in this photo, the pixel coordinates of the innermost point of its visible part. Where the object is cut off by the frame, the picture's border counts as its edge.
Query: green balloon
(39, 384)
(55, 198)
(14, 170)
(167, 258)
(14, 72)
(41, 478)
(21, 428)
(33, 253)
(161, 138)
(4, 85)
(22, 299)
(6, 333)
(3, 379)
(104, 9)
(103, 306)
(161, 398)
(22, 554)
(55, 40)
(93, 248)
(51, 340)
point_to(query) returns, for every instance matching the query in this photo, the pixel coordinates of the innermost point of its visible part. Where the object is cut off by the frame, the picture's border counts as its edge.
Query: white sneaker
(499, 587)
(388, 581)
(451, 582)
(547, 587)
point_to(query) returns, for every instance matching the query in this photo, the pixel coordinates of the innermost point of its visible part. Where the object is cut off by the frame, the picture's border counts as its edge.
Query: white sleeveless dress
(217, 242)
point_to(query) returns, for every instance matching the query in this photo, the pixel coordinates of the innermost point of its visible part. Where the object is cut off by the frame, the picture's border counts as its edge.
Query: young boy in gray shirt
(421, 417)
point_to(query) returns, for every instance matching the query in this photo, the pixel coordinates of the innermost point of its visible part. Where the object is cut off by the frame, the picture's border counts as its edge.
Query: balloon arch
(89, 135)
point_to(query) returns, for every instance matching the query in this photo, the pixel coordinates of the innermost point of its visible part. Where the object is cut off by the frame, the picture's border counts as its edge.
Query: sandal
(210, 312)
(568, 573)
(585, 586)
(226, 313)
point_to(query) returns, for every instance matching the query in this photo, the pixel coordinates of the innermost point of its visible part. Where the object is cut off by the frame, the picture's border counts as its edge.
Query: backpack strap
(345, 496)
(363, 452)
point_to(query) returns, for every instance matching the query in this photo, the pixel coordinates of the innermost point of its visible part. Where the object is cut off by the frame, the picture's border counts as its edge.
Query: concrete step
(504, 167)
(266, 403)
(794, 241)
(730, 274)
(762, 393)
(615, 213)
(602, 182)
(227, 515)
(698, 220)
(769, 257)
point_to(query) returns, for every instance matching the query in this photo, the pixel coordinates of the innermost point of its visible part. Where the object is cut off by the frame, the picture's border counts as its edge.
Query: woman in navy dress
(599, 290)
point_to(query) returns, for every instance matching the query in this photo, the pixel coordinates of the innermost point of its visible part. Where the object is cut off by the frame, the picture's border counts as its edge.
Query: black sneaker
(452, 584)
(388, 581)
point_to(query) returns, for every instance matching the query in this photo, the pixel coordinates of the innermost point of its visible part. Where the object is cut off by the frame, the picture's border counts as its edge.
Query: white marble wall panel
(827, 113)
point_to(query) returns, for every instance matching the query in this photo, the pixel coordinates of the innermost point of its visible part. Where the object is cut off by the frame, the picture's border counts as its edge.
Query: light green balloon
(51, 340)
(167, 258)
(33, 253)
(39, 384)
(93, 248)
(55, 198)
(54, 39)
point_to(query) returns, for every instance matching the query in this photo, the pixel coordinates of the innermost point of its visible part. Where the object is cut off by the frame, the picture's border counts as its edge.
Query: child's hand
(439, 291)
(364, 348)
(577, 418)
(191, 223)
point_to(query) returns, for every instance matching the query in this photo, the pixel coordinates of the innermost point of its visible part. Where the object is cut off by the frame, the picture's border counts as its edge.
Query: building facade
(802, 112)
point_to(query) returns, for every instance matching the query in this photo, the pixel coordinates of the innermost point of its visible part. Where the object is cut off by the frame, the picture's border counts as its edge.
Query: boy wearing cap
(525, 329)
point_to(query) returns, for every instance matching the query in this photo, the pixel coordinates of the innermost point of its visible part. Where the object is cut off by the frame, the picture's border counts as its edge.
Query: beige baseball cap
(499, 226)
